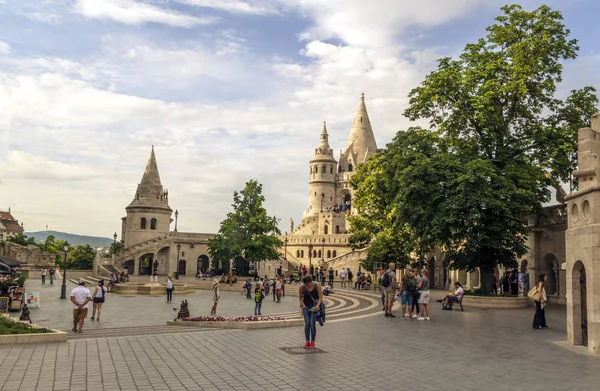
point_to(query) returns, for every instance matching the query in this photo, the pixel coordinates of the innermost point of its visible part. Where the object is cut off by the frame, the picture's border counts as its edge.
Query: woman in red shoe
(311, 297)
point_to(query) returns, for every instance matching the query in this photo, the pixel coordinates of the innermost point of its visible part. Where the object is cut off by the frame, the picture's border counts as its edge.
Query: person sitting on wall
(366, 282)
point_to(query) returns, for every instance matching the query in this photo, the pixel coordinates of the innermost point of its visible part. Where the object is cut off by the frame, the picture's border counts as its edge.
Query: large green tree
(248, 231)
(497, 130)
(23, 240)
(81, 257)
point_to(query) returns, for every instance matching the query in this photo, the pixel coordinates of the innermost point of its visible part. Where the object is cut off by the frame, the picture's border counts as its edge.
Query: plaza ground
(472, 350)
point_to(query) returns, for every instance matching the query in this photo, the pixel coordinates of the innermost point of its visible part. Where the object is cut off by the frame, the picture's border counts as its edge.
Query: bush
(21, 280)
(9, 326)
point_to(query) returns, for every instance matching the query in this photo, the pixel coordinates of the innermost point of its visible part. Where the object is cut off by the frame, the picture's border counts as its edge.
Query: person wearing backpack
(98, 300)
(408, 286)
(388, 286)
(311, 297)
(258, 299)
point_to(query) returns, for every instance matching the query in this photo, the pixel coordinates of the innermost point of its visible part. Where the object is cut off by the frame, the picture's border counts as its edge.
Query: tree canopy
(498, 136)
(247, 231)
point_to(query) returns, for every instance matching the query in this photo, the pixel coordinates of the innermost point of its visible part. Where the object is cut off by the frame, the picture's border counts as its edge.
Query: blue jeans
(407, 299)
(248, 296)
(51, 279)
(257, 308)
(310, 324)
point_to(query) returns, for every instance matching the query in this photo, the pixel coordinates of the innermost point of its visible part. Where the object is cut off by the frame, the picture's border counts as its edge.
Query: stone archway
(129, 265)
(145, 266)
(579, 308)
(182, 267)
(203, 263)
(549, 266)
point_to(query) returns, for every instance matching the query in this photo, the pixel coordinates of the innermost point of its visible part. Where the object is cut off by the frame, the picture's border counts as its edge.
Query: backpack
(258, 296)
(386, 280)
(411, 284)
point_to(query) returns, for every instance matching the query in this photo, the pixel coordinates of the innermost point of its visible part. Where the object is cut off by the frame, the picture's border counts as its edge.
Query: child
(258, 298)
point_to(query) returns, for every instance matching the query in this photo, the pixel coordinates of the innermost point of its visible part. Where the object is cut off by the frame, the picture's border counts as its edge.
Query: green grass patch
(9, 326)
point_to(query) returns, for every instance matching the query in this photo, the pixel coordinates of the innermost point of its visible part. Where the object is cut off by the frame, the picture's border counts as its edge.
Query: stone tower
(582, 242)
(323, 169)
(149, 214)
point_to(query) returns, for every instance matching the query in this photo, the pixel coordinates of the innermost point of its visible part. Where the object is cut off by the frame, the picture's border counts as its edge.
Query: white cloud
(4, 48)
(235, 6)
(132, 12)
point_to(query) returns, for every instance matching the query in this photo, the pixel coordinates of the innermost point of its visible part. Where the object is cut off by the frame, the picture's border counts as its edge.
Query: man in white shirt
(80, 297)
(343, 276)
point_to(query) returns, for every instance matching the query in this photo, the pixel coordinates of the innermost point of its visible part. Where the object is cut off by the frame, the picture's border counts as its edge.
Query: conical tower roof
(150, 191)
(361, 141)
(324, 142)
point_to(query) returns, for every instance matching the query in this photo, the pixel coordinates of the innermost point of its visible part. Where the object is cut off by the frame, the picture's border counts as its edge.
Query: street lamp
(323, 250)
(178, 250)
(115, 238)
(310, 249)
(176, 216)
(285, 252)
(63, 288)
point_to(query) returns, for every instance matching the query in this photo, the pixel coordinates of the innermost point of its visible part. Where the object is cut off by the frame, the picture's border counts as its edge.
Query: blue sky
(227, 90)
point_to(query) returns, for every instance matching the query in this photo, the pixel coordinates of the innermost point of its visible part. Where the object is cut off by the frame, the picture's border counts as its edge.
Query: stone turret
(323, 168)
(361, 142)
(582, 242)
(149, 214)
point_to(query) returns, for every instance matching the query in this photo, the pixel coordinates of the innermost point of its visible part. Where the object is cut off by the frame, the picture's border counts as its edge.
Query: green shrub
(9, 326)
(21, 280)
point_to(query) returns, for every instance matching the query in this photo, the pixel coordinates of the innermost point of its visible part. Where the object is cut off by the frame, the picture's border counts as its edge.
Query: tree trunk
(487, 279)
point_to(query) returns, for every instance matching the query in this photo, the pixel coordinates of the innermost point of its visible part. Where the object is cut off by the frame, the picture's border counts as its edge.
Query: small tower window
(319, 254)
(297, 253)
(328, 253)
(324, 170)
(314, 253)
(349, 167)
(326, 229)
(316, 169)
(143, 223)
(153, 224)
(340, 169)
(331, 170)
(301, 253)
(360, 119)
(337, 229)
(334, 253)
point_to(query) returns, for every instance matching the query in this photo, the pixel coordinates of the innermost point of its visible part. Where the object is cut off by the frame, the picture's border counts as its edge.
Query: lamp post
(178, 250)
(115, 238)
(285, 252)
(310, 249)
(63, 288)
(323, 250)
(176, 216)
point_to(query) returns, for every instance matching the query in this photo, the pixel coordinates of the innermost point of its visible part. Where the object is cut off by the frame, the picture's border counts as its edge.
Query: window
(301, 253)
(297, 253)
(319, 253)
(334, 253)
(326, 229)
(340, 169)
(349, 167)
(143, 223)
(324, 169)
(316, 170)
(328, 253)
(153, 224)
(314, 253)
(331, 170)
(337, 229)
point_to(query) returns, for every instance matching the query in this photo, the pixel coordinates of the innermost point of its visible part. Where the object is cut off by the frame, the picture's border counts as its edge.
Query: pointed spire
(324, 141)
(361, 139)
(150, 189)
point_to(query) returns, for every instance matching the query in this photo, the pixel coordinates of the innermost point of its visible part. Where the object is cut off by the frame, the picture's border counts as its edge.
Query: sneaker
(427, 318)
(407, 315)
(307, 345)
(92, 318)
(392, 315)
(79, 331)
(311, 345)
(387, 315)
(415, 316)
(74, 329)
(420, 318)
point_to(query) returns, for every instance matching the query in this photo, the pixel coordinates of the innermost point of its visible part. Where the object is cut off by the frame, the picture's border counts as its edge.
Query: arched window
(334, 253)
(319, 254)
(297, 253)
(337, 229)
(331, 170)
(328, 253)
(314, 253)
(340, 169)
(324, 170)
(316, 169)
(143, 223)
(153, 224)
(301, 253)
(326, 229)
(349, 167)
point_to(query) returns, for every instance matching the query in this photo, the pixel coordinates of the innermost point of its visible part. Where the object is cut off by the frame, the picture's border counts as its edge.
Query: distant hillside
(94, 241)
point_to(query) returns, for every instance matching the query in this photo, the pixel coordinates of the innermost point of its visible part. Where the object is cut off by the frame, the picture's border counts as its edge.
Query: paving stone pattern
(474, 350)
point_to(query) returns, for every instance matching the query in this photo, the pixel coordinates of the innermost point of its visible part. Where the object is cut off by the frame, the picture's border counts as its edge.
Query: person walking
(258, 298)
(43, 276)
(388, 284)
(311, 297)
(416, 307)
(248, 287)
(98, 300)
(539, 319)
(343, 276)
(170, 288)
(278, 286)
(350, 276)
(80, 297)
(216, 296)
(322, 275)
(51, 273)
(331, 276)
(424, 295)
(408, 286)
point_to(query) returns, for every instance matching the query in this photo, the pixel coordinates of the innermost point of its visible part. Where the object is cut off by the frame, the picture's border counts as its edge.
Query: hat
(215, 281)
(81, 282)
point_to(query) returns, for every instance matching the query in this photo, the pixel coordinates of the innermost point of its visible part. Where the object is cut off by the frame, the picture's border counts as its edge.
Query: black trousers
(169, 295)
(539, 319)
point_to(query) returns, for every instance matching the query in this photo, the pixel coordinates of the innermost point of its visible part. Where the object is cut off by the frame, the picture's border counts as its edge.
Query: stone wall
(33, 255)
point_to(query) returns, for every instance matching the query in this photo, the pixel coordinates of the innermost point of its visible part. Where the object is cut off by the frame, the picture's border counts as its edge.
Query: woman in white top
(539, 319)
(98, 299)
(216, 297)
(169, 288)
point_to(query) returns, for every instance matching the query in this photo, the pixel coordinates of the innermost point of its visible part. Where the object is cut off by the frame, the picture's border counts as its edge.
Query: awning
(11, 263)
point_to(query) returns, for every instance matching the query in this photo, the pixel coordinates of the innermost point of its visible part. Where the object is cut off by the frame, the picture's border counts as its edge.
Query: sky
(226, 91)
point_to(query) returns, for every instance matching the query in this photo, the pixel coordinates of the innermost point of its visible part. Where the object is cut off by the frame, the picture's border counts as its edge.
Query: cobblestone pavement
(472, 350)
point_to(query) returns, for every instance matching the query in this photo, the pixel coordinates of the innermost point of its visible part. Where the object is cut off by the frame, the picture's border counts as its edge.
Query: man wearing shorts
(80, 296)
(408, 285)
(424, 296)
(390, 292)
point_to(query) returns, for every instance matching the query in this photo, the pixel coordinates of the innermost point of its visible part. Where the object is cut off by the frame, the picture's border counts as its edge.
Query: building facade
(9, 226)
(321, 238)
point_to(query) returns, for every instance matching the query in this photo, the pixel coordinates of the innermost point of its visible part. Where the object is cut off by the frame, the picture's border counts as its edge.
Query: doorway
(181, 267)
(579, 295)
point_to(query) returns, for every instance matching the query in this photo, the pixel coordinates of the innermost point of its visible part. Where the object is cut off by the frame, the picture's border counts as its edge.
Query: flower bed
(11, 327)
(14, 332)
(232, 318)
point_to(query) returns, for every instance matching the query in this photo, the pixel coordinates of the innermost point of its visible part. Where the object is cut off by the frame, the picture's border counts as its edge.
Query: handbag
(534, 294)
